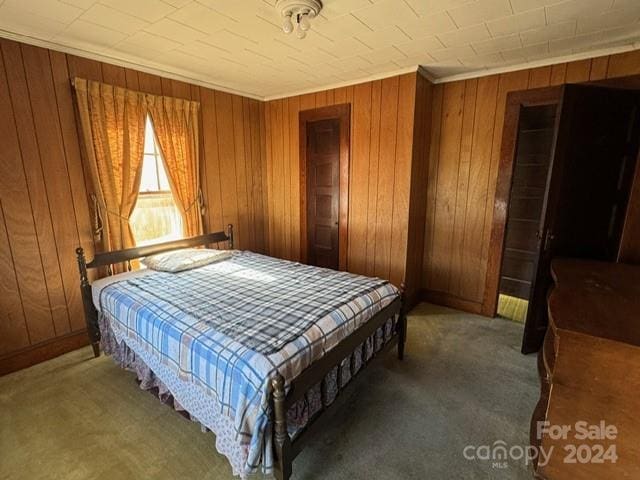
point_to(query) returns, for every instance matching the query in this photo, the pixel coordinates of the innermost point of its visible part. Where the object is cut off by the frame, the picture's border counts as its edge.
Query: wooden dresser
(590, 372)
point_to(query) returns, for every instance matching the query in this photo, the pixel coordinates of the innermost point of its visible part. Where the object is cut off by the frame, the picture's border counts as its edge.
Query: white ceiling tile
(517, 23)
(203, 50)
(335, 8)
(177, 3)
(382, 38)
(624, 3)
(422, 7)
(439, 22)
(83, 4)
(464, 36)
(380, 68)
(383, 55)
(149, 10)
(237, 10)
(345, 48)
(611, 19)
(339, 27)
(421, 46)
(569, 44)
(350, 63)
(51, 9)
(414, 60)
(453, 53)
(86, 33)
(550, 32)
(175, 31)
(480, 11)
(526, 53)
(572, 9)
(482, 61)
(226, 39)
(140, 52)
(625, 34)
(33, 25)
(115, 20)
(524, 5)
(446, 68)
(202, 18)
(384, 13)
(498, 44)
(152, 42)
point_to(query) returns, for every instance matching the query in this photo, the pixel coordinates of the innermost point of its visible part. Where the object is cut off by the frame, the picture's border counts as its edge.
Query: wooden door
(588, 189)
(323, 192)
(324, 185)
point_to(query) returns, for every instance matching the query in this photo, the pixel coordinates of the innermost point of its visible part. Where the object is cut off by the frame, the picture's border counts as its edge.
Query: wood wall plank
(386, 175)
(578, 71)
(359, 178)
(40, 207)
(49, 134)
(374, 165)
(13, 327)
(458, 268)
(447, 180)
(402, 177)
(19, 224)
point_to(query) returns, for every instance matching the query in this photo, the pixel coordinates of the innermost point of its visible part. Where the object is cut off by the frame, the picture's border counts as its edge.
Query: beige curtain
(175, 122)
(112, 121)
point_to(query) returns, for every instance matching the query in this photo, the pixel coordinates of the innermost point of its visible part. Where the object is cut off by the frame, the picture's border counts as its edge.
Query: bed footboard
(286, 450)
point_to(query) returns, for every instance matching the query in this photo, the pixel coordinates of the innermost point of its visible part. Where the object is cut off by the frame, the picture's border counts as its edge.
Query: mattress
(217, 334)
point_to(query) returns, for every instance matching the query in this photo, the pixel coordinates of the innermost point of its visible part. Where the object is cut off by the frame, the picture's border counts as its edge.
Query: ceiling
(238, 45)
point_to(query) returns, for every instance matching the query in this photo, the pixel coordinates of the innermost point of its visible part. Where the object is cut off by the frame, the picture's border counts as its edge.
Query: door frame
(515, 101)
(341, 112)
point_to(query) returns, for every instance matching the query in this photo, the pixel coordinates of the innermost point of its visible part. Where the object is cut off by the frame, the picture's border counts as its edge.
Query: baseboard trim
(47, 350)
(448, 300)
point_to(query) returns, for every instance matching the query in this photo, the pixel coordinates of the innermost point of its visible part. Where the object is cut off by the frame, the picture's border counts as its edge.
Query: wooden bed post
(230, 235)
(281, 440)
(402, 321)
(90, 313)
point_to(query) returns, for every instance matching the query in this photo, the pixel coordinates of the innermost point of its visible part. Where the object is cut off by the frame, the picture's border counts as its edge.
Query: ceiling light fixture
(296, 15)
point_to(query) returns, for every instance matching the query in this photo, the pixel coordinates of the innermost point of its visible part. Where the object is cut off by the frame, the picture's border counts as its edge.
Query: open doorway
(567, 165)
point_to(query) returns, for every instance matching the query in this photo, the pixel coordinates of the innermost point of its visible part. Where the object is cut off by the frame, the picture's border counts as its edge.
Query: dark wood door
(323, 192)
(588, 189)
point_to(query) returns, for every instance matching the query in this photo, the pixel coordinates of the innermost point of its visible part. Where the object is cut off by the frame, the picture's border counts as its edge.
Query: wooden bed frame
(285, 449)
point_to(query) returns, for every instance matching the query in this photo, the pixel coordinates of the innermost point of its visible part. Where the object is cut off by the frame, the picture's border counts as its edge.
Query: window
(156, 217)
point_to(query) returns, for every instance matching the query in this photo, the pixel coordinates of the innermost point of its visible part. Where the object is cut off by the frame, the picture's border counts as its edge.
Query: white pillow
(185, 259)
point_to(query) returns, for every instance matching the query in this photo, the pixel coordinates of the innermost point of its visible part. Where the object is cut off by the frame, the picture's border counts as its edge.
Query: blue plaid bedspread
(229, 326)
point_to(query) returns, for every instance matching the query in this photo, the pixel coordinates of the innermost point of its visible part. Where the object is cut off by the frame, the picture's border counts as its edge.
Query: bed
(254, 348)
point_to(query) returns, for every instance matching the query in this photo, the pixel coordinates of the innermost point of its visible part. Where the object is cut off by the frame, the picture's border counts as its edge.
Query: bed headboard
(106, 259)
(128, 254)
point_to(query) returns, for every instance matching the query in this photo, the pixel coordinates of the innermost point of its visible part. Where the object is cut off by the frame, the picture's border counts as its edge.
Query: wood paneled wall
(44, 211)
(466, 135)
(382, 148)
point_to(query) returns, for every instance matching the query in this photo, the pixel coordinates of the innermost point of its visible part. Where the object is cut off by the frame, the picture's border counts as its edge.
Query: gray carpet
(463, 382)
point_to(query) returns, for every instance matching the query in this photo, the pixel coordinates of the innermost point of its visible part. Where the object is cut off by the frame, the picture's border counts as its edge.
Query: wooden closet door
(323, 192)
